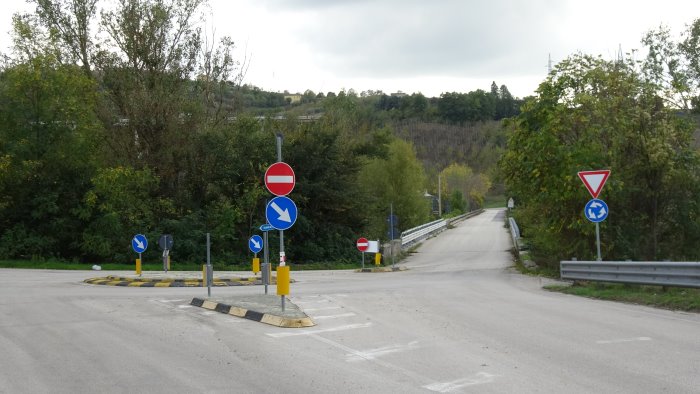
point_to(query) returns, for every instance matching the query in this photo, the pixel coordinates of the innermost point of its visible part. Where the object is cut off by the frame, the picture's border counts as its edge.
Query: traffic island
(382, 269)
(264, 308)
(171, 282)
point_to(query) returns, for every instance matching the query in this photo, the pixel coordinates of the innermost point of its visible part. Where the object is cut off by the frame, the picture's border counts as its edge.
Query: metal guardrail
(514, 233)
(464, 216)
(417, 233)
(677, 274)
(423, 231)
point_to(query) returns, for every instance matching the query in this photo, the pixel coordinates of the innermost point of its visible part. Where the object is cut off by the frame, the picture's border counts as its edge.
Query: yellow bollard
(377, 258)
(256, 265)
(283, 280)
(204, 275)
(138, 266)
(168, 262)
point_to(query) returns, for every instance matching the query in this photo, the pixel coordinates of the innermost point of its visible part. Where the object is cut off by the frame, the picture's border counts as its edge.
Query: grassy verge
(657, 296)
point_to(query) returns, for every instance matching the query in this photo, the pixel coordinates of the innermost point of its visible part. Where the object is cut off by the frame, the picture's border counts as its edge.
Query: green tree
(48, 149)
(397, 179)
(593, 114)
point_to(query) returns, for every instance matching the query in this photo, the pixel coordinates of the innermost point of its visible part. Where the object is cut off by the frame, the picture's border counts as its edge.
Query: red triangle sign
(594, 180)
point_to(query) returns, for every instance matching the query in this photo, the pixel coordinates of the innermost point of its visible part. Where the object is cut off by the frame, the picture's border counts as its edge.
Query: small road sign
(280, 179)
(281, 213)
(594, 180)
(266, 227)
(139, 243)
(255, 243)
(596, 210)
(165, 242)
(362, 244)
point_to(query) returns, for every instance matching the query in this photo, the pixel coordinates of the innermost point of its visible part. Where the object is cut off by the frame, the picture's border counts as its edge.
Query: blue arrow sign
(139, 243)
(266, 227)
(596, 210)
(281, 213)
(255, 243)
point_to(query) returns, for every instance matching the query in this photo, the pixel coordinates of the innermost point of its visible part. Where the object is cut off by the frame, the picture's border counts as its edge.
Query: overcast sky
(428, 46)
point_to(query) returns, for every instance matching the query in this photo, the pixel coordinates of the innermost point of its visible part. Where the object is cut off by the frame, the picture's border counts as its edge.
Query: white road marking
(209, 313)
(312, 332)
(184, 306)
(166, 301)
(371, 354)
(332, 316)
(311, 302)
(622, 340)
(479, 378)
(327, 308)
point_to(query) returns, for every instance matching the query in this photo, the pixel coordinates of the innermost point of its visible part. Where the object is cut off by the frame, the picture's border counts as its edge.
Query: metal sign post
(266, 262)
(210, 271)
(597, 239)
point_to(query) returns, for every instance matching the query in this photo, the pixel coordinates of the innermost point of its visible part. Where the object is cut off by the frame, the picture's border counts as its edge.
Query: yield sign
(362, 244)
(594, 180)
(279, 179)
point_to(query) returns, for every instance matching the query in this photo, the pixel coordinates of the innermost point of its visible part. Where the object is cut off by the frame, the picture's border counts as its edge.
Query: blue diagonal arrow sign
(255, 243)
(139, 243)
(281, 213)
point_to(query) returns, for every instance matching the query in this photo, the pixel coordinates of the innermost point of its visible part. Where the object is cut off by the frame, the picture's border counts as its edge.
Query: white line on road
(332, 316)
(165, 301)
(311, 332)
(479, 378)
(184, 306)
(326, 308)
(622, 340)
(364, 355)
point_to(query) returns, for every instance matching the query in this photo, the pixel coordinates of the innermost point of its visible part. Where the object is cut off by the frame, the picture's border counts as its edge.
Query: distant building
(399, 94)
(292, 98)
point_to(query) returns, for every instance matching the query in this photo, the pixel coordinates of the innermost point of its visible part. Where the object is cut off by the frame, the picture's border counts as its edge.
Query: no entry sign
(362, 244)
(280, 179)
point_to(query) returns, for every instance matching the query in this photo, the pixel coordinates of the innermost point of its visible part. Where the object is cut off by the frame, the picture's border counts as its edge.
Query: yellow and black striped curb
(267, 318)
(382, 269)
(165, 282)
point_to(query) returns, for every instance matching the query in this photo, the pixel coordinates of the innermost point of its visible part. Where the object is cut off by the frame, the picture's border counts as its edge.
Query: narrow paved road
(460, 320)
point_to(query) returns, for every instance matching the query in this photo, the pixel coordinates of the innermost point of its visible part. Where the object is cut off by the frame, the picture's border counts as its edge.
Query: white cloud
(428, 46)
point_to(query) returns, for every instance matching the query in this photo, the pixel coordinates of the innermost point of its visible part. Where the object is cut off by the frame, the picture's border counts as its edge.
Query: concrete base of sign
(262, 308)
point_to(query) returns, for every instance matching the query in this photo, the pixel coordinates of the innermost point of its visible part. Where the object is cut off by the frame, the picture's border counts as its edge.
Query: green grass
(495, 201)
(668, 298)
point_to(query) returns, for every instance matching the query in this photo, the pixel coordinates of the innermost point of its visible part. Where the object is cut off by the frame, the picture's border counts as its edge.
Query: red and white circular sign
(280, 179)
(362, 244)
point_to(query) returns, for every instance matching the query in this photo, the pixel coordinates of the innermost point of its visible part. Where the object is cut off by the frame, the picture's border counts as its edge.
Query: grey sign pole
(282, 256)
(266, 262)
(210, 271)
(597, 239)
(279, 159)
(391, 223)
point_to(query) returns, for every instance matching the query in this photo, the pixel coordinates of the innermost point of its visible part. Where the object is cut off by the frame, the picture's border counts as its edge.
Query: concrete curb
(267, 318)
(169, 282)
(382, 269)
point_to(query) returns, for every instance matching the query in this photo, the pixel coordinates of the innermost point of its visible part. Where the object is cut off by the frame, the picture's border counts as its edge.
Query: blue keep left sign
(281, 213)
(255, 243)
(139, 243)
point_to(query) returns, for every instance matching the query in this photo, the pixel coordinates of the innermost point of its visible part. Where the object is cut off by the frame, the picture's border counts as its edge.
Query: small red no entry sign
(280, 179)
(362, 244)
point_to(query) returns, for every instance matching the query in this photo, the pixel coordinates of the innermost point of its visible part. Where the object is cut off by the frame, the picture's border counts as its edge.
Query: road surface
(459, 320)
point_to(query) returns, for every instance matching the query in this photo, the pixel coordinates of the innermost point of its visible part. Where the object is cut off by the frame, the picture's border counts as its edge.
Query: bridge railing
(417, 234)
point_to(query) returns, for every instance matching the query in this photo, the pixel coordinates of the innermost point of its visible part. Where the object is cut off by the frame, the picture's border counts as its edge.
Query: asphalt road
(460, 320)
